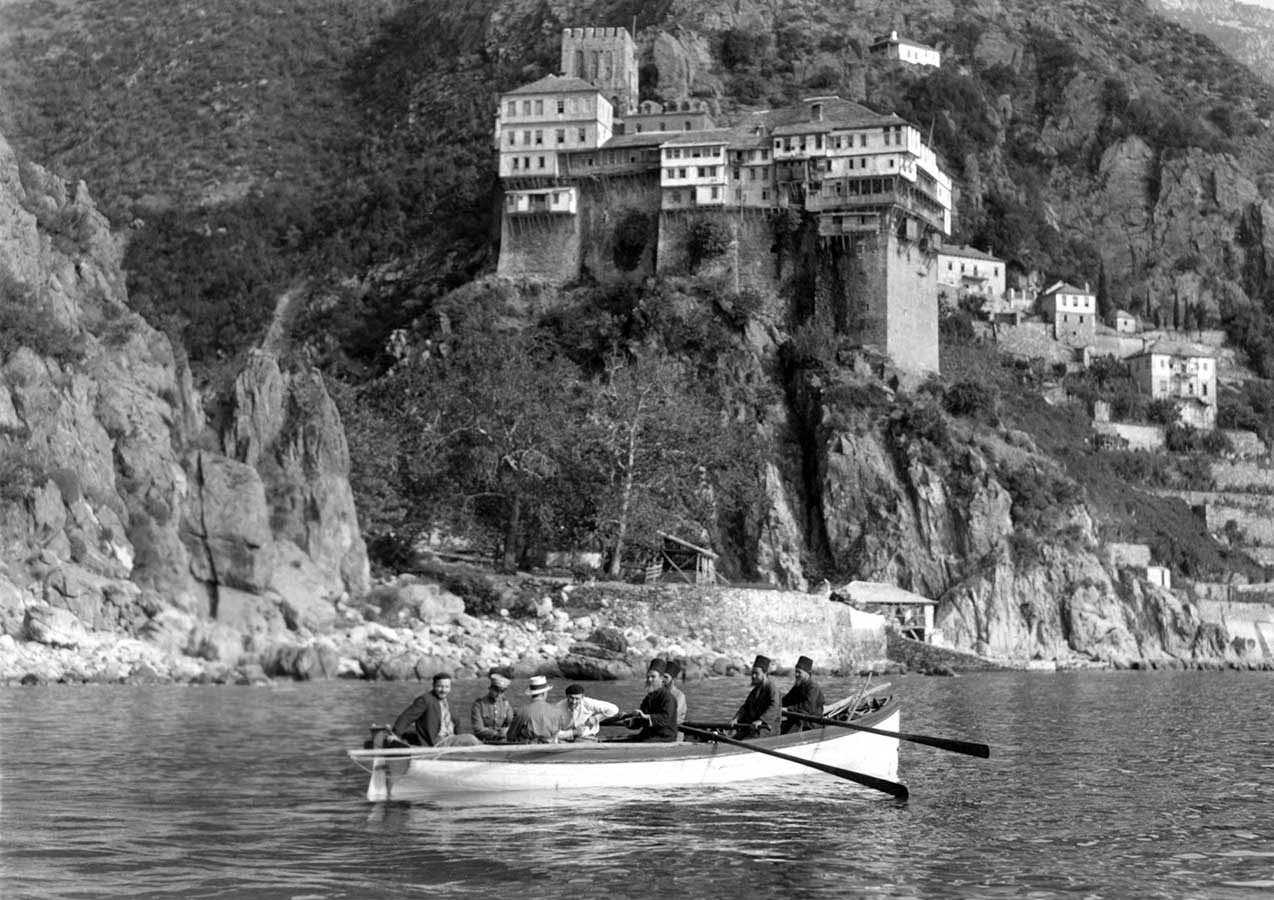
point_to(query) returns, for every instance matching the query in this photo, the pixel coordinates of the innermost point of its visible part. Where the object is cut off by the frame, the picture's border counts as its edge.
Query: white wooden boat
(426, 773)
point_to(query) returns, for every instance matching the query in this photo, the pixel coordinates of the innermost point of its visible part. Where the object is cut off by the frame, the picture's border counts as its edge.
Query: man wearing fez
(539, 722)
(672, 670)
(805, 697)
(585, 713)
(491, 715)
(427, 722)
(657, 716)
(760, 713)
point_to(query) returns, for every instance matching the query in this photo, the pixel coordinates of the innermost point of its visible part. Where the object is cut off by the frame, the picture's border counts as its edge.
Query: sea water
(1099, 785)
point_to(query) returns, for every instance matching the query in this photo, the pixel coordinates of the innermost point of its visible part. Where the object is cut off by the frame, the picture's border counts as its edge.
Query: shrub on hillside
(24, 324)
(707, 239)
(971, 400)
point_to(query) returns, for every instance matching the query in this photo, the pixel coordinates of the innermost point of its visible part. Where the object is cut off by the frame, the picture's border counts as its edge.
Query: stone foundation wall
(1251, 622)
(604, 204)
(543, 247)
(926, 657)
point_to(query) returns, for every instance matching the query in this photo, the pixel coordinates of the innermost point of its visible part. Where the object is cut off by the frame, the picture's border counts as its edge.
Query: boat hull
(425, 773)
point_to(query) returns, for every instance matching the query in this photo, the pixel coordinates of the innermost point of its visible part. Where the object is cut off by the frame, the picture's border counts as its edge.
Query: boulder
(55, 627)
(607, 637)
(307, 594)
(227, 524)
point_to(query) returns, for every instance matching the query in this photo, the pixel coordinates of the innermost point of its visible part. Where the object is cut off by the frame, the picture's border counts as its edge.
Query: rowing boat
(428, 773)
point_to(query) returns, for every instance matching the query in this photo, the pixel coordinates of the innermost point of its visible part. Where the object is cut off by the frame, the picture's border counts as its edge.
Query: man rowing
(672, 669)
(805, 697)
(657, 715)
(761, 711)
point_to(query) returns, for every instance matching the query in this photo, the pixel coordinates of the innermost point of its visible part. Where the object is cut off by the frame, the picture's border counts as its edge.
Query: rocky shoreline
(408, 628)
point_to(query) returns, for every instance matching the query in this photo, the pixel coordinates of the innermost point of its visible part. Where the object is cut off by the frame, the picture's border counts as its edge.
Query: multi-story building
(1072, 310)
(968, 271)
(1182, 373)
(540, 120)
(607, 59)
(904, 50)
(678, 115)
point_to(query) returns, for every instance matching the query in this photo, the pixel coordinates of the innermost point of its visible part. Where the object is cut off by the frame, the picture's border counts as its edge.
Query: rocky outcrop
(118, 520)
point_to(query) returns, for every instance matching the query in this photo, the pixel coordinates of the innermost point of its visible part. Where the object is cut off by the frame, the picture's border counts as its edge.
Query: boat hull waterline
(423, 773)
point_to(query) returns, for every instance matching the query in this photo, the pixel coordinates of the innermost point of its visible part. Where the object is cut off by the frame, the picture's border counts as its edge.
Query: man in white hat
(539, 722)
(491, 715)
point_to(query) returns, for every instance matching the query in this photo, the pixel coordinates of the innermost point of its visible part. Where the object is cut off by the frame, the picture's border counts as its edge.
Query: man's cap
(538, 685)
(805, 664)
(499, 680)
(762, 663)
(656, 665)
(574, 690)
(672, 669)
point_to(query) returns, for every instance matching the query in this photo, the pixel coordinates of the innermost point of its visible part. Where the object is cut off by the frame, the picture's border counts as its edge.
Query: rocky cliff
(124, 513)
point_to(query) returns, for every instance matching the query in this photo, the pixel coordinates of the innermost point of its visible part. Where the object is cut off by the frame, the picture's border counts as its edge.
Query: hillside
(1244, 30)
(351, 167)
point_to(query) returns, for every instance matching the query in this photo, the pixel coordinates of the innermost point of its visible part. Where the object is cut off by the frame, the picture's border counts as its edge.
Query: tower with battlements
(607, 59)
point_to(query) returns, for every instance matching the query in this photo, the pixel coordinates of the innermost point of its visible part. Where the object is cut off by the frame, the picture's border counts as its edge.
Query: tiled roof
(1063, 287)
(965, 252)
(1177, 348)
(554, 84)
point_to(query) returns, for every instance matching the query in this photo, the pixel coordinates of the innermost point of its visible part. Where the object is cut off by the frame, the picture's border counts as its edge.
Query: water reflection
(1099, 785)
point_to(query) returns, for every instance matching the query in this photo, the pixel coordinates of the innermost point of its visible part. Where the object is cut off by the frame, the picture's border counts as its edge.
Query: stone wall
(1033, 340)
(779, 624)
(1240, 476)
(1139, 437)
(607, 201)
(1252, 624)
(543, 247)
(1250, 513)
(926, 657)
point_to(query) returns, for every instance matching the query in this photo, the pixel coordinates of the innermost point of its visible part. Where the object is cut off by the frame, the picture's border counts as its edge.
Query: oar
(880, 784)
(710, 726)
(969, 747)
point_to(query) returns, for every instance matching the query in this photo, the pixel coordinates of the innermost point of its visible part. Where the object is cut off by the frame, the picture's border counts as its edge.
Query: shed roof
(863, 592)
(556, 84)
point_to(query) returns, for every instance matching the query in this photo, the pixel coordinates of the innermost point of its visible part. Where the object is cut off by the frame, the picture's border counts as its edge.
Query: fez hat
(762, 663)
(538, 685)
(442, 676)
(805, 664)
(499, 680)
(672, 669)
(574, 690)
(656, 665)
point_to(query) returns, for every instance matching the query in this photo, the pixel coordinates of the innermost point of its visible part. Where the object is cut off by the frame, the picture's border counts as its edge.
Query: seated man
(672, 669)
(539, 722)
(760, 713)
(427, 722)
(805, 697)
(491, 715)
(657, 716)
(586, 713)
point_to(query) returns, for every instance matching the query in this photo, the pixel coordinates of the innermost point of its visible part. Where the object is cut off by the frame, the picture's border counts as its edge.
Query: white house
(693, 169)
(554, 114)
(1125, 322)
(1180, 372)
(904, 50)
(1073, 310)
(970, 271)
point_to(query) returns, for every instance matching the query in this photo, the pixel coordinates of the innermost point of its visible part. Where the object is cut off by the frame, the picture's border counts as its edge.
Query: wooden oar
(969, 747)
(880, 784)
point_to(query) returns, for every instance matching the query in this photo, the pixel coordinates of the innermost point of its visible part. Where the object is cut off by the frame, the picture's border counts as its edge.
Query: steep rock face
(114, 515)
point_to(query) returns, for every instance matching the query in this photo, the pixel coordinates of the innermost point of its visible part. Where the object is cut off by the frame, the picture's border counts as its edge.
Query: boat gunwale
(618, 752)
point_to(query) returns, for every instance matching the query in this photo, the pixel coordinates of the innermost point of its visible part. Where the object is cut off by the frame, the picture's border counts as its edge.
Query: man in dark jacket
(657, 716)
(760, 713)
(427, 722)
(491, 715)
(805, 697)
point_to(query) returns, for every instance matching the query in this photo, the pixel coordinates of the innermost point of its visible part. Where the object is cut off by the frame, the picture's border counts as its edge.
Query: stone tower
(607, 59)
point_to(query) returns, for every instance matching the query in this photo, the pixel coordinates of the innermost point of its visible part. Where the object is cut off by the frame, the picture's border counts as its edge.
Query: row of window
(562, 105)
(524, 163)
(995, 270)
(699, 172)
(674, 197)
(888, 134)
(692, 152)
(537, 137)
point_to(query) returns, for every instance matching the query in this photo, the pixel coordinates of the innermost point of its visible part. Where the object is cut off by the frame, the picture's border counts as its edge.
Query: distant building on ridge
(904, 50)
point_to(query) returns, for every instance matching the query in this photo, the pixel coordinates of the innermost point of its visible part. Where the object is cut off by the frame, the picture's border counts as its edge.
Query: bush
(708, 239)
(24, 324)
(971, 400)
(632, 234)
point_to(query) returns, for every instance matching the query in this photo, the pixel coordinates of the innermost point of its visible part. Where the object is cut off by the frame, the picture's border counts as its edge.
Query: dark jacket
(490, 719)
(424, 719)
(661, 706)
(762, 704)
(807, 698)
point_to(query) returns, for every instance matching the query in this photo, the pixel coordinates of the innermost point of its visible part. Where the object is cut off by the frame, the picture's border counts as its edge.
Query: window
(765, 155)
(526, 107)
(561, 135)
(526, 138)
(583, 135)
(716, 192)
(737, 173)
(862, 139)
(513, 108)
(561, 106)
(539, 107)
(515, 164)
(539, 138)
(687, 128)
(765, 194)
(541, 162)
(681, 173)
(513, 138)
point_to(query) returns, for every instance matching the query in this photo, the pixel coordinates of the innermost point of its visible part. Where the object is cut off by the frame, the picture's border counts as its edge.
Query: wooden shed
(680, 560)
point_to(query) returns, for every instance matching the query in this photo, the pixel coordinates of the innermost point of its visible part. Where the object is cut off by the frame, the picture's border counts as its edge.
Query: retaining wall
(925, 657)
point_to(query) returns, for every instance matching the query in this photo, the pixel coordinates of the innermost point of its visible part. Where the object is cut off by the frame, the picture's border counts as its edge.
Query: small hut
(680, 560)
(908, 612)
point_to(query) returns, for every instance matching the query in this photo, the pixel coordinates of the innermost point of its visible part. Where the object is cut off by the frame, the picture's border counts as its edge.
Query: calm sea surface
(1118, 785)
